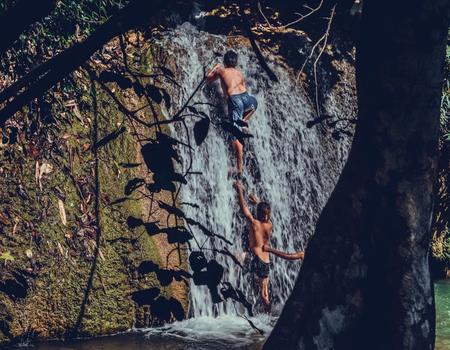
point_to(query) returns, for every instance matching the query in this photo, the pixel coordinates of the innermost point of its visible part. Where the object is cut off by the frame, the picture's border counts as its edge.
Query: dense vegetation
(441, 227)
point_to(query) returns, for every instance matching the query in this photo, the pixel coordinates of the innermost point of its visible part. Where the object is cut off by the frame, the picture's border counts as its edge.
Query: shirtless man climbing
(257, 259)
(241, 105)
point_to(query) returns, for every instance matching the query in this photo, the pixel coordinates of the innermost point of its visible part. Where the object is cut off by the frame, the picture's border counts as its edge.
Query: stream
(223, 333)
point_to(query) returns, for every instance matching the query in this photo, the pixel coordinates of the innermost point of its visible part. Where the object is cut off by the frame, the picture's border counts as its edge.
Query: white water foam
(222, 332)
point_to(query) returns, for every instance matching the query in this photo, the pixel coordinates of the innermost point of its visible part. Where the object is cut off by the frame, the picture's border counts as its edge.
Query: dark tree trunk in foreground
(365, 282)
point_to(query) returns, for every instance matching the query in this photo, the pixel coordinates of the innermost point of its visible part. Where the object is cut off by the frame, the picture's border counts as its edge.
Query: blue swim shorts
(238, 105)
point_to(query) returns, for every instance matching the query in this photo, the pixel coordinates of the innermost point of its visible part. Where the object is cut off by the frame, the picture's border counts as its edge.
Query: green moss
(53, 304)
(63, 254)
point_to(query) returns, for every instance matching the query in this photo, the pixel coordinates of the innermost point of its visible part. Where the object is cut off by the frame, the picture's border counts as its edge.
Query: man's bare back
(231, 79)
(260, 233)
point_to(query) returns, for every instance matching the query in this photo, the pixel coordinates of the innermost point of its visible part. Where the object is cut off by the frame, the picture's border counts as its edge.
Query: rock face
(68, 259)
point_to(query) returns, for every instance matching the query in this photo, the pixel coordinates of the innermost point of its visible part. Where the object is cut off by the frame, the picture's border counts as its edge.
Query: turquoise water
(225, 333)
(442, 292)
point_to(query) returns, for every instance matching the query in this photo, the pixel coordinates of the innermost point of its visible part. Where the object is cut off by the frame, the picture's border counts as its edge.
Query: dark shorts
(255, 265)
(238, 105)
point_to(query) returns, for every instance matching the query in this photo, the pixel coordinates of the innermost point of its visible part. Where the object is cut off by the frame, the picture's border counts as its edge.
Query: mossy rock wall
(67, 256)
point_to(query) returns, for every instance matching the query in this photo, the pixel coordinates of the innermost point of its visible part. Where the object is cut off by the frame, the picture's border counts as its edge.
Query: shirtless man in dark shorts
(257, 259)
(241, 105)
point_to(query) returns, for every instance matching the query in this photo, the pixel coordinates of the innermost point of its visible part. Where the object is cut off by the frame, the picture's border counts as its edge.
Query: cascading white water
(286, 164)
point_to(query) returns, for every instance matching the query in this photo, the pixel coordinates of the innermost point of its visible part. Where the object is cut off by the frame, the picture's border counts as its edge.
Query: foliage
(440, 245)
(6, 256)
(445, 105)
(71, 21)
(62, 254)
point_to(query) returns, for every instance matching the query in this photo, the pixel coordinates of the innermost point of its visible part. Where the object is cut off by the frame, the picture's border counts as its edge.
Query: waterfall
(292, 167)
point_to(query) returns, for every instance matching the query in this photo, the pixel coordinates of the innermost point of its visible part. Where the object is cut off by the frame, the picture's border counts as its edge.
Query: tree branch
(301, 17)
(324, 40)
(251, 36)
(59, 67)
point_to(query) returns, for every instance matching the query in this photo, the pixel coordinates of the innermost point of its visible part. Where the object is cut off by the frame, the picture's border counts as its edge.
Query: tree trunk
(365, 282)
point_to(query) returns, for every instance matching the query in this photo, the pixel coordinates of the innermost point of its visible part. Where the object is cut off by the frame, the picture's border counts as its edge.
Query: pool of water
(201, 333)
(225, 333)
(442, 292)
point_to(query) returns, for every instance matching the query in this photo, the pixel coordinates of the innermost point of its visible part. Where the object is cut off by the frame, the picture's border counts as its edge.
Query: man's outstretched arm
(213, 73)
(283, 255)
(242, 203)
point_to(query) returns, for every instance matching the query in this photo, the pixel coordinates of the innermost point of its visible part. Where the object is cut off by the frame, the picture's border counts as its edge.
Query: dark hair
(230, 59)
(261, 210)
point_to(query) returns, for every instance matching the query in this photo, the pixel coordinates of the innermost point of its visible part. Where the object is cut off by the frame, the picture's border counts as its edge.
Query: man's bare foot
(240, 257)
(266, 302)
(253, 199)
(267, 307)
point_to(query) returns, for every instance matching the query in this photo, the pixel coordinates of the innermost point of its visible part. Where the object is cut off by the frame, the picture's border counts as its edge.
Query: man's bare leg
(239, 150)
(264, 291)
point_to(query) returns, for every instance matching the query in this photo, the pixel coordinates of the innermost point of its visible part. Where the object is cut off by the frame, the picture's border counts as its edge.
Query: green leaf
(6, 256)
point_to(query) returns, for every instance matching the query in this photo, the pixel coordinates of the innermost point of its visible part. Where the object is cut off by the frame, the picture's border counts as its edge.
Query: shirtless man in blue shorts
(241, 105)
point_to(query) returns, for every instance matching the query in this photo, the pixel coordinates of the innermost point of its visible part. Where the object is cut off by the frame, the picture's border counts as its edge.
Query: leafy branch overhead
(46, 75)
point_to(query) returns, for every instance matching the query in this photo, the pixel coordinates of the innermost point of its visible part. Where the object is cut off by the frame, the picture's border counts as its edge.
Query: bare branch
(301, 17)
(251, 36)
(324, 40)
(264, 16)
